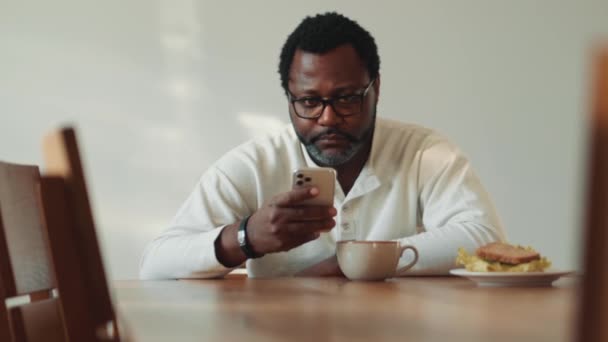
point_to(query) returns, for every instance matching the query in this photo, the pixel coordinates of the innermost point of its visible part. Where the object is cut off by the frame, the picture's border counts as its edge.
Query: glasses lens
(308, 108)
(342, 105)
(348, 105)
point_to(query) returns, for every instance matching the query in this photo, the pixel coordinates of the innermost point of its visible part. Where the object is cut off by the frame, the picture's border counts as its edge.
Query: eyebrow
(313, 92)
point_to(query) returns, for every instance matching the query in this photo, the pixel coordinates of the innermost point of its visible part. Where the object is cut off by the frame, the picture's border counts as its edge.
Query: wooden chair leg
(5, 330)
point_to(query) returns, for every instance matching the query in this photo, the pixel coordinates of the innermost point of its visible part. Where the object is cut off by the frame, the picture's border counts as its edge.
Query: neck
(348, 172)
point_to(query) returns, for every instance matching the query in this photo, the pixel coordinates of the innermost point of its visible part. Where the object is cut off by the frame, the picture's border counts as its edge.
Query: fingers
(298, 240)
(283, 223)
(311, 227)
(279, 215)
(293, 197)
(309, 237)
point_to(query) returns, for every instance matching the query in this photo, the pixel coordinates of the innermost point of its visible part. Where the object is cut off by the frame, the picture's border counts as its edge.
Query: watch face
(240, 236)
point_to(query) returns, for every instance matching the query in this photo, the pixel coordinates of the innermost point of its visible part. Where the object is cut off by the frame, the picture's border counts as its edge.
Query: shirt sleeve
(455, 210)
(187, 248)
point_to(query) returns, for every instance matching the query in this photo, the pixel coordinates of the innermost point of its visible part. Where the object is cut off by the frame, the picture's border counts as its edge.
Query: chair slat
(592, 322)
(80, 273)
(5, 329)
(26, 266)
(25, 262)
(72, 286)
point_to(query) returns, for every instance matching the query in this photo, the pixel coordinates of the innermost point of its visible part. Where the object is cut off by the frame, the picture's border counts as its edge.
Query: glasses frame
(328, 101)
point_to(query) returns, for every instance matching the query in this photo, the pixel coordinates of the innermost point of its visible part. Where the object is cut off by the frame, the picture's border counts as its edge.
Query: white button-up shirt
(416, 187)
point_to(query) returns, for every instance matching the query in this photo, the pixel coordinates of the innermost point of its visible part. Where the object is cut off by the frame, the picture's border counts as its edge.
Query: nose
(328, 117)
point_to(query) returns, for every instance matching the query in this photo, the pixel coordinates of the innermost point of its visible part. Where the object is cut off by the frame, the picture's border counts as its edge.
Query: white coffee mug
(372, 260)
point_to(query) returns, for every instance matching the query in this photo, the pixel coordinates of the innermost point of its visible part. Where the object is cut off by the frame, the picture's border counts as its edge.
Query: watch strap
(244, 243)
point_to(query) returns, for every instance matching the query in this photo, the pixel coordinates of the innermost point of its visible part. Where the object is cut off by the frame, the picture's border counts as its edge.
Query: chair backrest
(25, 263)
(594, 304)
(80, 274)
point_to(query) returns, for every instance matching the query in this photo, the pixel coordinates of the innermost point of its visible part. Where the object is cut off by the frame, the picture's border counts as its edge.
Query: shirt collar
(367, 180)
(309, 162)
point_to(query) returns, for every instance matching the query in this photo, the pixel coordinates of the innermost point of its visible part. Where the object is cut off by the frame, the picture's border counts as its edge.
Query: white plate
(511, 279)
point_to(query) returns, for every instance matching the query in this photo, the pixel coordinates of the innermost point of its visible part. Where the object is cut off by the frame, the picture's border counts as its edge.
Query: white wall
(160, 89)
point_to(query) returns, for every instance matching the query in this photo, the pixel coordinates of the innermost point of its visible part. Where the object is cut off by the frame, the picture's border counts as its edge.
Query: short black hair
(325, 32)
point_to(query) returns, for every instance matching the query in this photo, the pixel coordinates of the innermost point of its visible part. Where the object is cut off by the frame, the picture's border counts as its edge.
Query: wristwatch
(241, 236)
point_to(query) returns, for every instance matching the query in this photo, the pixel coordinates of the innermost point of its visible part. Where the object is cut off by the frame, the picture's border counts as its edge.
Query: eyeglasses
(312, 107)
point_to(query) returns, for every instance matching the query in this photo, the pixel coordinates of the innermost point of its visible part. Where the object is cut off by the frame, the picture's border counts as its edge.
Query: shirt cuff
(207, 260)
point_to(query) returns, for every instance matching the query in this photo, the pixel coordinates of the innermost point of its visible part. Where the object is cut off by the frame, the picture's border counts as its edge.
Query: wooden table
(334, 309)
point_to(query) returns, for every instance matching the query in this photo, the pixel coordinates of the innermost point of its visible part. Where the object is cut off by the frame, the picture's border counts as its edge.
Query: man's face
(331, 139)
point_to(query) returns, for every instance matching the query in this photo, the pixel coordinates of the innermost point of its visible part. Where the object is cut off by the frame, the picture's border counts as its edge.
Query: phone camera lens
(307, 179)
(299, 182)
(300, 175)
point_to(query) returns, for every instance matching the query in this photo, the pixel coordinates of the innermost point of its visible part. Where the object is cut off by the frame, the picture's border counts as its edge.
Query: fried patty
(505, 253)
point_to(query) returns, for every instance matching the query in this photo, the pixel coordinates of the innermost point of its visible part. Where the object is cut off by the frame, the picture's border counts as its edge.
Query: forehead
(340, 67)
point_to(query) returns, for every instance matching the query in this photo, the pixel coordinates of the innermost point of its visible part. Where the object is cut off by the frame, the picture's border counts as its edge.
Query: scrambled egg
(474, 263)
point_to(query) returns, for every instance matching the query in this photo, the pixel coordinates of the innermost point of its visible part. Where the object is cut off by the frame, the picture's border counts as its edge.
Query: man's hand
(282, 224)
(326, 268)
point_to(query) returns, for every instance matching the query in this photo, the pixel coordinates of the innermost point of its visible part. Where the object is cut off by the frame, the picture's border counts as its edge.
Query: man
(394, 181)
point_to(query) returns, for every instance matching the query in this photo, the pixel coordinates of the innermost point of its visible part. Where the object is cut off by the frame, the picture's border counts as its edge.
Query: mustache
(334, 131)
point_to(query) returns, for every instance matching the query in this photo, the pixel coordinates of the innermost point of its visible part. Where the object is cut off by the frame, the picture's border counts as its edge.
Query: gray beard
(333, 160)
(356, 144)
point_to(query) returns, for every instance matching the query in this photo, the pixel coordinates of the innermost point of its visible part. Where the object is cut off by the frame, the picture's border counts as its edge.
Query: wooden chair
(25, 265)
(81, 279)
(5, 329)
(592, 325)
(39, 321)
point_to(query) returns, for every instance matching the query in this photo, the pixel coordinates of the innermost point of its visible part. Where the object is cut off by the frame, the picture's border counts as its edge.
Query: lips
(332, 140)
(332, 137)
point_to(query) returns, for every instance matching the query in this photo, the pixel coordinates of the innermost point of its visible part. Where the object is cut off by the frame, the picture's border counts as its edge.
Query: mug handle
(408, 266)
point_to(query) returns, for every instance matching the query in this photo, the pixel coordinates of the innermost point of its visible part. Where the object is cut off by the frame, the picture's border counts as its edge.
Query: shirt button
(345, 225)
(345, 208)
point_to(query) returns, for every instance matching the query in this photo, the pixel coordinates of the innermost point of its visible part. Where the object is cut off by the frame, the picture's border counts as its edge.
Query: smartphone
(323, 178)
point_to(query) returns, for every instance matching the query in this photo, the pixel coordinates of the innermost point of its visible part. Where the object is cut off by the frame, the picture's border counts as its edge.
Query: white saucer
(511, 279)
